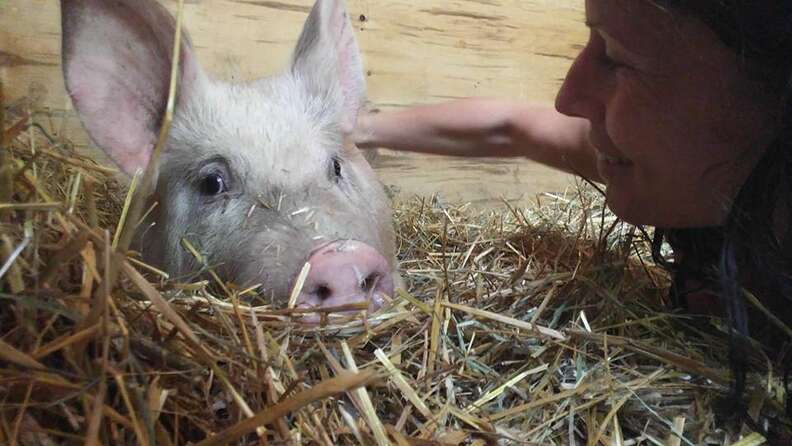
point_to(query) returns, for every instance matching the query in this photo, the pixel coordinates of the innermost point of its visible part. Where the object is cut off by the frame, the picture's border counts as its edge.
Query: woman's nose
(582, 91)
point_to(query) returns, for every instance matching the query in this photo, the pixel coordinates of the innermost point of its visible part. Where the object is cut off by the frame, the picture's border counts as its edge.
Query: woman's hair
(755, 243)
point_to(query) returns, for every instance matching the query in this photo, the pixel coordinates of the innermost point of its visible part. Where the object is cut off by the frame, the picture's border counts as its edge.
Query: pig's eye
(213, 184)
(337, 168)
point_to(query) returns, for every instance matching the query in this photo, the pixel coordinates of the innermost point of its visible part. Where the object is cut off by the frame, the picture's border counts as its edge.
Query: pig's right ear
(116, 63)
(327, 60)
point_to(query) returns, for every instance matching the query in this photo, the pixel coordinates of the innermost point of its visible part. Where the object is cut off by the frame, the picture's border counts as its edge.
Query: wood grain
(415, 51)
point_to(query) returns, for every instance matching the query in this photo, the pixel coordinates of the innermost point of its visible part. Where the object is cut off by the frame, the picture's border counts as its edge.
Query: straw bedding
(543, 325)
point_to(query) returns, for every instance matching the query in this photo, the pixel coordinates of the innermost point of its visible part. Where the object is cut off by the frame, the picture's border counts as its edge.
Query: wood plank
(415, 51)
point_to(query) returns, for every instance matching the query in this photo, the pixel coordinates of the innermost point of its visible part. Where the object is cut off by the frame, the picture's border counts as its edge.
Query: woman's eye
(213, 184)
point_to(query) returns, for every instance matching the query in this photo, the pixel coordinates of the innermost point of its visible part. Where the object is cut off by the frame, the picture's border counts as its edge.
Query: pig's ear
(116, 63)
(327, 60)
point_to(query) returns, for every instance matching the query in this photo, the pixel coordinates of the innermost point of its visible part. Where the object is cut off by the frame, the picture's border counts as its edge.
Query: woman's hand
(478, 127)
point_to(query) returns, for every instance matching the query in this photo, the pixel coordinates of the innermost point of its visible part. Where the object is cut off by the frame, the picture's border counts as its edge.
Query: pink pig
(261, 176)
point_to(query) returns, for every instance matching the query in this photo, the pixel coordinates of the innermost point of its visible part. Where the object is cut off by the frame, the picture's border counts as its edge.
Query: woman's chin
(625, 204)
(633, 207)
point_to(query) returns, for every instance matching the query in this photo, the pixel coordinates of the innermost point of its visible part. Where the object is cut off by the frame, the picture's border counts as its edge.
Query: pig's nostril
(370, 283)
(323, 292)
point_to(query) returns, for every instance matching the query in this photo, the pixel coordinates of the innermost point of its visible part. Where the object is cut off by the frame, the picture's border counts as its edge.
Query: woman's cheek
(637, 113)
(628, 130)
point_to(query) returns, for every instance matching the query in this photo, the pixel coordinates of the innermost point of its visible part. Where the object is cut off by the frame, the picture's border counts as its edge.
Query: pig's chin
(331, 312)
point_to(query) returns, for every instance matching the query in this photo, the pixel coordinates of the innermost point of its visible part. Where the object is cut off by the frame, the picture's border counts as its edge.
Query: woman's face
(676, 123)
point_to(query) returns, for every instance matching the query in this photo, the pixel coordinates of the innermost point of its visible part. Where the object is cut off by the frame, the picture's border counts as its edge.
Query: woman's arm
(484, 127)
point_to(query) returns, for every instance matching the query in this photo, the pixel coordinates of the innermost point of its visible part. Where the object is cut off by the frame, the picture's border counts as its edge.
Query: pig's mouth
(345, 278)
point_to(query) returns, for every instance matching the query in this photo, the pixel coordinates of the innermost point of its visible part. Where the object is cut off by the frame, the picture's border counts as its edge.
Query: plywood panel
(415, 51)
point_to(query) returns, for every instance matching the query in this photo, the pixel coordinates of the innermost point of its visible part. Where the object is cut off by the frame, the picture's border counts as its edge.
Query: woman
(682, 109)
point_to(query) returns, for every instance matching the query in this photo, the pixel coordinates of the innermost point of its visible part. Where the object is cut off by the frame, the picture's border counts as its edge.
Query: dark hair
(750, 250)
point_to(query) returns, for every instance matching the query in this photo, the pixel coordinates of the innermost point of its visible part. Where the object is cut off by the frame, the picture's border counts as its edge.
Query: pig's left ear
(327, 61)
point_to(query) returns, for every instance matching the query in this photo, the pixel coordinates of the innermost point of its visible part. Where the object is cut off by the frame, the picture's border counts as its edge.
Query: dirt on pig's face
(256, 177)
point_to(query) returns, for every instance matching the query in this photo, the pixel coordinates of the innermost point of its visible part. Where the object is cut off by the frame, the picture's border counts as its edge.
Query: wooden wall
(415, 51)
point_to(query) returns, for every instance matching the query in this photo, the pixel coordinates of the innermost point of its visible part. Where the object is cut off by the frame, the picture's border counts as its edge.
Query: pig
(260, 176)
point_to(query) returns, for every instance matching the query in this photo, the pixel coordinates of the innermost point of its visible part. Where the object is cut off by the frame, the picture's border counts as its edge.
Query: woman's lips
(614, 169)
(604, 148)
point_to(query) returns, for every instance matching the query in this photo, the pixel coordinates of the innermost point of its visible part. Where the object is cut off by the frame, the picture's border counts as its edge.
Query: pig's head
(261, 177)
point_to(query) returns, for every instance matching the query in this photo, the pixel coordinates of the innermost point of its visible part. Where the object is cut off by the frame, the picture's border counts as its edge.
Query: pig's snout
(343, 273)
